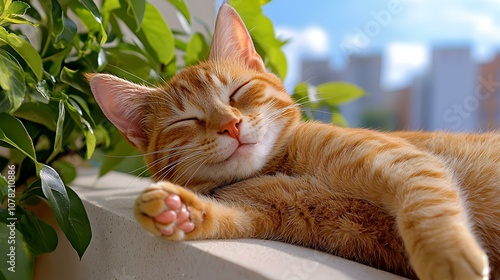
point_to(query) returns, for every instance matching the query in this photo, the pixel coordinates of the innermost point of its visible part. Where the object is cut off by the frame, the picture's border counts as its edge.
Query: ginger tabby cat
(233, 159)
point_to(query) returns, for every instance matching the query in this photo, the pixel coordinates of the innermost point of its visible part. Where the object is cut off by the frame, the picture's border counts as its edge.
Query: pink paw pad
(175, 216)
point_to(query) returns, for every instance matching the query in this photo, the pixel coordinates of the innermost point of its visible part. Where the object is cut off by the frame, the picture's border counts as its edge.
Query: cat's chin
(244, 150)
(243, 161)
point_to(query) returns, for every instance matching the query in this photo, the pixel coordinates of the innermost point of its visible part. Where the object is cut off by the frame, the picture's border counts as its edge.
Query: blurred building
(456, 94)
(449, 103)
(362, 70)
(318, 71)
(489, 95)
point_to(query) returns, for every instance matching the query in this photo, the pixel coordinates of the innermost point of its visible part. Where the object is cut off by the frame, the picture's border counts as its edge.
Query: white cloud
(315, 40)
(311, 41)
(481, 27)
(403, 62)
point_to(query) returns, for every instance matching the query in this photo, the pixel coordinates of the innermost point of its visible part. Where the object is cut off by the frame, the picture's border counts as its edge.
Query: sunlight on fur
(232, 159)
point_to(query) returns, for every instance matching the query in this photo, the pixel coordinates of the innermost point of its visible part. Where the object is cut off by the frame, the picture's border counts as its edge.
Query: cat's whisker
(166, 98)
(167, 158)
(150, 165)
(165, 171)
(133, 75)
(162, 79)
(192, 161)
(193, 173)
(170, 167)
(277, 113)
(147, 154)
(184, 147)
(178, 151)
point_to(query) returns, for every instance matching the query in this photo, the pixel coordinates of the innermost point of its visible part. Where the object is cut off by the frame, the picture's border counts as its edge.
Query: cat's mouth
(243, 149)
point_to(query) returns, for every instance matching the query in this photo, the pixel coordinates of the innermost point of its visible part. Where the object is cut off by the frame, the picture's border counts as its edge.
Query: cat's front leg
(440, 247)
(432, 218)
(175, 213)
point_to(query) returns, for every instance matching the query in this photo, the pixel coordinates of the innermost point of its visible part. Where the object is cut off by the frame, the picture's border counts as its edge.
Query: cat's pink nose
(231, 128)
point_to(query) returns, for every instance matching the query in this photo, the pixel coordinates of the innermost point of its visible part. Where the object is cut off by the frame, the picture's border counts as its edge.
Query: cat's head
(213, 123)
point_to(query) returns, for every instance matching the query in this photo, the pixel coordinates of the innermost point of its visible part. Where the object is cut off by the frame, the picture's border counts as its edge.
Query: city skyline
(454, 94)
(406, 31)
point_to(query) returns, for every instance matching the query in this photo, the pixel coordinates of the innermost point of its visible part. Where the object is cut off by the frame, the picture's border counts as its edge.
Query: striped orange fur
(226, 138)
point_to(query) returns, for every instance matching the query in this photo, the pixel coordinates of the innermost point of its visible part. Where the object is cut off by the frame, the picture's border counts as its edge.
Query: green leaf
(75, 79)
(336, 93)
(38, 112)
(13, 132)
(91, 6)
(81, 103)
(66, 33)
(300, 93)
(3, 162)
(135, 10)
(12, 82)
(34, 191)
(14, 13)
(68, 209)
(80, 232)
(88, 13)
(42, 92)
(197, 50)
(277, 61)
(181, 6)
(17, 8)
(127, 64)
(337, 118)
(25, 50)
(56, 60)
(102, 136)
(66, 170)
(59, 131)
(4, 5)
(179, 44)
(54, 190)
(40, 237)
(107, 7)
(4, 188)
(24, 258)
(170, 69)
(90, 139)
(34, 14)
(156, 35)
(64, 28)
(75, 112)
(121, 150)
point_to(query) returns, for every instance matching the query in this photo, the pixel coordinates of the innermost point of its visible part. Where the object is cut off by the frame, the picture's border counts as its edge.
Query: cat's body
(228, 131)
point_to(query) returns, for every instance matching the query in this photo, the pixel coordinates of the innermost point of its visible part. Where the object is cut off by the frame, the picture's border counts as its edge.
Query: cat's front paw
(465, 260)
(168, 210)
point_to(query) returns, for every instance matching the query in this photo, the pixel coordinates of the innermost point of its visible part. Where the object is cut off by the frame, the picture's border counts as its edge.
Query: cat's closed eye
(235, 94)
(186, 120)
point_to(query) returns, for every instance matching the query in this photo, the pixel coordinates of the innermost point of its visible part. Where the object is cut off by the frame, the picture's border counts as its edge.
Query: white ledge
(121, 249)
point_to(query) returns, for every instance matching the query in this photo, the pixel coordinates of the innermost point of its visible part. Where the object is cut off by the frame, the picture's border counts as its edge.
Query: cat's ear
(124, 104)
(231, 40)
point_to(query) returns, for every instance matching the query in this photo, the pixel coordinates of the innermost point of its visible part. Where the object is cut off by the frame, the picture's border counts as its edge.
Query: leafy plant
(48, 118)
(49, 121)
(327, 96)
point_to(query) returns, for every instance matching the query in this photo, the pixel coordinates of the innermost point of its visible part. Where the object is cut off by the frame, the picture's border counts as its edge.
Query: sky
(404, 31)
